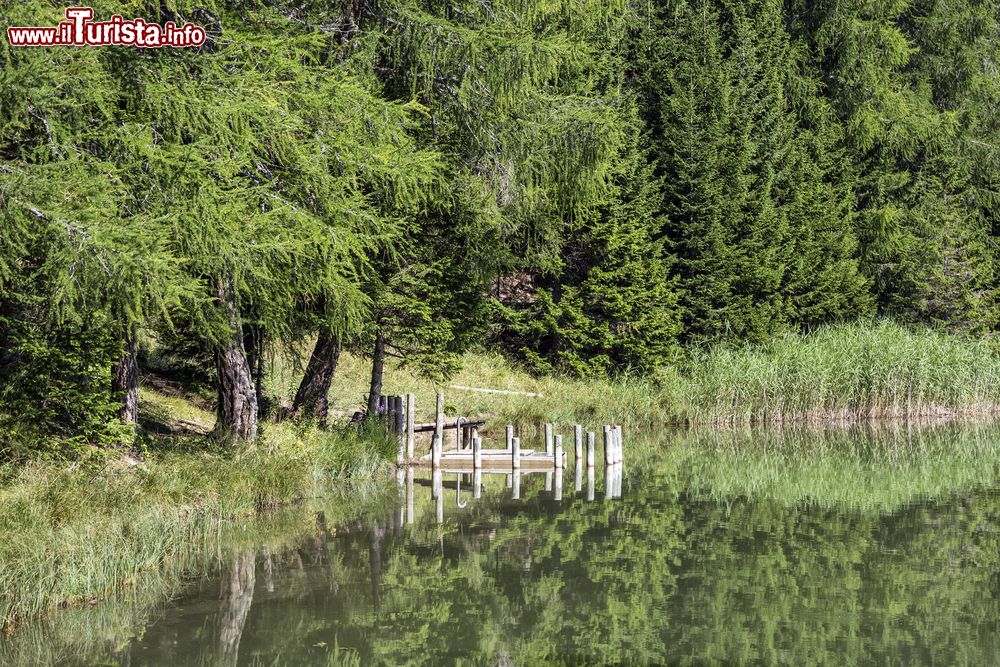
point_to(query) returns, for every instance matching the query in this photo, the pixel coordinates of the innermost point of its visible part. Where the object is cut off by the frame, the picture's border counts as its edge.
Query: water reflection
(726, 552)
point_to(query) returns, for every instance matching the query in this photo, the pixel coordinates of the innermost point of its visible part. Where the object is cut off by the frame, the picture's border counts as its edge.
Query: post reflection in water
(590, 484)
(578, 482)
(409, 496)
(515, 492)
(557, 494)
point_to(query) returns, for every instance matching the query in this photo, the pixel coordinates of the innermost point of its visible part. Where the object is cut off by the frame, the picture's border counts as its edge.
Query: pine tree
(747, 200)
(612, 305)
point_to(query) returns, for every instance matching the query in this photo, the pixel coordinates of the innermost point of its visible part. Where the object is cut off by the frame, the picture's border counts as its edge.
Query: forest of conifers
(592, 187)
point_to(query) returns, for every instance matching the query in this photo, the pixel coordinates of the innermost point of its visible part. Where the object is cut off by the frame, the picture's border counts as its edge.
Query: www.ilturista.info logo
(79, 30)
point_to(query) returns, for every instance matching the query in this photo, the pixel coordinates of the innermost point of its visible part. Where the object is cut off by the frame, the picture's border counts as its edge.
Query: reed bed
(852, 372)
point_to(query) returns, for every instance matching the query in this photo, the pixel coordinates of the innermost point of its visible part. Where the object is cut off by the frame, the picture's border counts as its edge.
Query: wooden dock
(490, 459)
(469, 454)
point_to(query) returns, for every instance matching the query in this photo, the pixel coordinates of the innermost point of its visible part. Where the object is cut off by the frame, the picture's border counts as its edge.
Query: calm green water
(844, 548)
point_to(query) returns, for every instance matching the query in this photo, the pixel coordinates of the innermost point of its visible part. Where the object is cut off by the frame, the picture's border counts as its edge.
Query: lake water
(848, 547)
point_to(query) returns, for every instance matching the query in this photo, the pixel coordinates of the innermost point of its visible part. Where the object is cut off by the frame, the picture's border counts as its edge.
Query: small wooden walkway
(491, 459)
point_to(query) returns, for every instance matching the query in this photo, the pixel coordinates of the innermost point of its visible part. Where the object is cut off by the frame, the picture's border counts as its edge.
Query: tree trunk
(378, 363)
(237, 408)
(126, 380)
(254, 342)
(311, 398)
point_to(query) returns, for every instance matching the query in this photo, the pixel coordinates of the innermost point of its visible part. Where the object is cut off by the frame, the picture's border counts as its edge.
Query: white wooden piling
(548, 439)
(436, 452)
(509, 435)
(618, 444)
(609, 446)
(578, 444)
(558, 458)
(411, 411)
(461, 434)
(515, 453)
(590, 449)
(477, 453)
(439, 414)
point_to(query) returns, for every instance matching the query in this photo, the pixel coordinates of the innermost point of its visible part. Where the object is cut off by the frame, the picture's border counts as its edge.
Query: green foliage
(762, 241)
(610, 305)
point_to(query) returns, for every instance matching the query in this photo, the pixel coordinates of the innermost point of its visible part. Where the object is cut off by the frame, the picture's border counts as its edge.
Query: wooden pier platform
(492, 459)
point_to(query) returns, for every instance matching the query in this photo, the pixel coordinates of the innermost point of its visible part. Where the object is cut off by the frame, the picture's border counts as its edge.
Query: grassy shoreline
(73, 535)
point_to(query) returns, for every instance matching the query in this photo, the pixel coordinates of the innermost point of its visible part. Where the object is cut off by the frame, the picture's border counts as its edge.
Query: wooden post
(590, 449)
(436, 451)
(548, 439)
(558, 458)
(515, 485)
(460, 433)
(515, 452)
(559, 485)
(477, 453)
(439, 415)
(608, 446)
(509, 436)
(578, 444)
(397, 425)
(475, 433)
(618, 444)
(411, 411)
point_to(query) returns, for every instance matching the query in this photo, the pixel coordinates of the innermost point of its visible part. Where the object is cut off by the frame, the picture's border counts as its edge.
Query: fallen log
(496, 391)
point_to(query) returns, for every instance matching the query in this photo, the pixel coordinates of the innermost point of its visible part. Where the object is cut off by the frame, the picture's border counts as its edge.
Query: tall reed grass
(854, 371)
